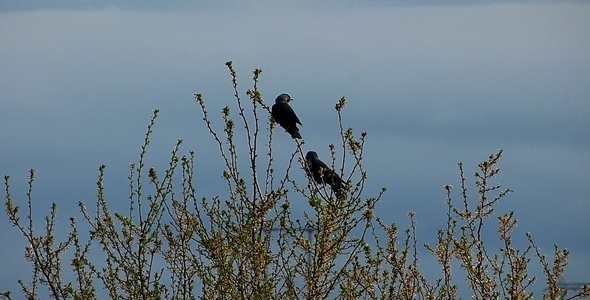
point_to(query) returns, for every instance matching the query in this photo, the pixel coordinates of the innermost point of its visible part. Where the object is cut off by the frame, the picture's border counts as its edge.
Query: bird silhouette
(322, 174)
(285, 115)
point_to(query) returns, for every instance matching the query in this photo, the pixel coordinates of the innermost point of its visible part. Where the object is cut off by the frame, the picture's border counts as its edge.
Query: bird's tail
(295, 134)
(340, 188)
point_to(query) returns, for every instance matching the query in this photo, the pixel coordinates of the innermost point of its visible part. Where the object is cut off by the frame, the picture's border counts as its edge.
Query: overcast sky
(432, 85)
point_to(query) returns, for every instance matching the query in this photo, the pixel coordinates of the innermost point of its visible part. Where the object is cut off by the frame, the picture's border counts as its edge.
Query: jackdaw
(322, 174)
(285, 116)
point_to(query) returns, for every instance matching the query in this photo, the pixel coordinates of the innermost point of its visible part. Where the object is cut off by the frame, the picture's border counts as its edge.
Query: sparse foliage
(248, 243)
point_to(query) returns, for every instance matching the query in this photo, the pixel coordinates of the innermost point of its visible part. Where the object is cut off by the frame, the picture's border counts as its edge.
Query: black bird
(285, 115)
(322, 174)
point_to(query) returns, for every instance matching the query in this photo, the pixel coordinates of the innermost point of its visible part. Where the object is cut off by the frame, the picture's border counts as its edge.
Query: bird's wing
(324, 170)
(291, 114)
(322, 165)
(297, 119)
(282, 112)
(294, 117)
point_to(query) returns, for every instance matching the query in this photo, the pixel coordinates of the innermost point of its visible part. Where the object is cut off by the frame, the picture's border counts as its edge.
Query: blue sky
(432, 85)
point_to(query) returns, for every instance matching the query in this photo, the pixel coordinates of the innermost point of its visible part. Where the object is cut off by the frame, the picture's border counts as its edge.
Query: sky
(432, 84)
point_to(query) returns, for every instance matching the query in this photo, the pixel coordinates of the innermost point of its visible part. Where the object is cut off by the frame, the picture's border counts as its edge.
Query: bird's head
(283, 98)
(311, 155)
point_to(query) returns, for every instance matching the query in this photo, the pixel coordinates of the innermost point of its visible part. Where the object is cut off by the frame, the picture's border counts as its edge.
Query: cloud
(185, 5)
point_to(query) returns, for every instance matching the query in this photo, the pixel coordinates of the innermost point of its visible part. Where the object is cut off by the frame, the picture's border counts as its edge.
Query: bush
(174, 244)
